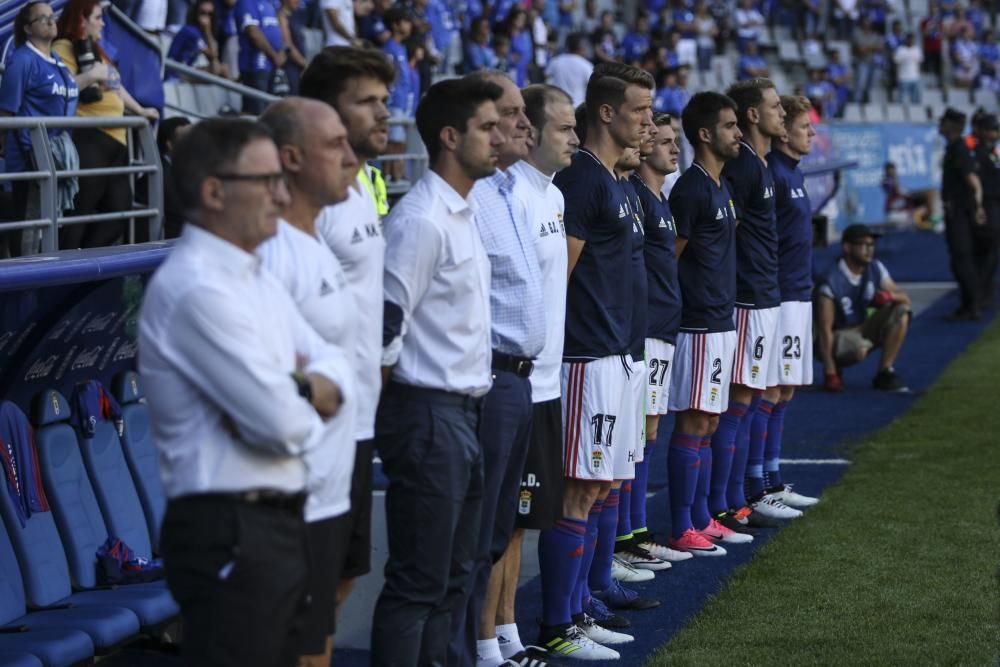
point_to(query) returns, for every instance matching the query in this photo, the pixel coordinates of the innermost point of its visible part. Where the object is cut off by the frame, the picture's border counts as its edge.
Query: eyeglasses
(273, 180)
(50, 19)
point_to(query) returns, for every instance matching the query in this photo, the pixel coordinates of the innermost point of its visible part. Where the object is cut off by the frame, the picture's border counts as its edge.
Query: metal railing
(48, 177)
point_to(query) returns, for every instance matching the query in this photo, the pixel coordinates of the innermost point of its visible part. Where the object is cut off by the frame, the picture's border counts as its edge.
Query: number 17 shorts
(702, 370)
(597, 402)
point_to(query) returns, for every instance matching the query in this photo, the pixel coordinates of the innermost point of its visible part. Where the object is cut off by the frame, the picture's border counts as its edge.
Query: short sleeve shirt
(752, 188)
(663, 311)
(599, 296)
(705, 216)
(794, 217)
(259, 13)
(33, 85)
(959, 161)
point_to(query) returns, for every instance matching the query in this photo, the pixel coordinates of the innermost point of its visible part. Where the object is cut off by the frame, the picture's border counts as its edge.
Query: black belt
(289, 502)
(519, 366)
(428, 395)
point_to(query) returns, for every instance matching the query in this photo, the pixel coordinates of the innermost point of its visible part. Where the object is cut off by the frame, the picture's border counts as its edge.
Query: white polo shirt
(544, 206)
(438, 274)
(353, 231)
(571, 72)
(344, 9)
(310, 272)
(218, 340)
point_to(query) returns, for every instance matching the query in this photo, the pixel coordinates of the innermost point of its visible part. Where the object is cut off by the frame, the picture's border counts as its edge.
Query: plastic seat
(81, 527)
(53, 646)
(112, 483)
(140, 452)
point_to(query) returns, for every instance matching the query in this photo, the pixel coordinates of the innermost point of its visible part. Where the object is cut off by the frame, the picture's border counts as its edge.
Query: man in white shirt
(355, 82)
(437, 353)
(338, 22)
(319, 165)
(908, 58)
(571, 70)
(239, 386)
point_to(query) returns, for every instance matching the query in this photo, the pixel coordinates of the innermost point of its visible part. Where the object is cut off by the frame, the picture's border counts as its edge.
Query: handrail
(205, 77)
(48, 176)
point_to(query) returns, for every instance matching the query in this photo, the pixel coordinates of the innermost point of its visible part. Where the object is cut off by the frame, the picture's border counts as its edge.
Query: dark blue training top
(705, 216)
(663, 313)
(599, 296)
(34, 85)
(794, 213)
(752, 188)
(640, 290)
(852, 294)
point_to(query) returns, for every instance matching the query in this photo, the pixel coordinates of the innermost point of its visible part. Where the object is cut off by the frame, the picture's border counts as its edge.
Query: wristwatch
(304, 385)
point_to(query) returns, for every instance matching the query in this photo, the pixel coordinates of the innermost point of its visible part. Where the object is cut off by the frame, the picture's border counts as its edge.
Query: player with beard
(703, 359)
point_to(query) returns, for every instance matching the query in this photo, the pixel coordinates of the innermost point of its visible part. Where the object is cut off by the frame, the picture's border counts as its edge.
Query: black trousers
(505, 435)
(98, 194)
(239, 572)
(430, 452)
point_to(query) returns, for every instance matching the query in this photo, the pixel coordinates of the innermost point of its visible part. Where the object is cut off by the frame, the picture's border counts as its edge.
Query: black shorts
(540, 503)
(326, 558)
(358, 556)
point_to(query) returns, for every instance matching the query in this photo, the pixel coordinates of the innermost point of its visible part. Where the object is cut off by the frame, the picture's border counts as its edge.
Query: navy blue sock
(700, 516)
(560, 551)
(624, 528)
(755, 458)
(683, 464)
(737, 496)
(639, 487)
(772, 448)
(723, 452)
(607, 527)
(581, 593)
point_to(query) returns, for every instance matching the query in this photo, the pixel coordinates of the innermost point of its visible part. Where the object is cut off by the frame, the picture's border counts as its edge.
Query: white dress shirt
(438, 274)
(218, 340)
(544, 207)
(571, 72)
(353, 231)
(310, 272)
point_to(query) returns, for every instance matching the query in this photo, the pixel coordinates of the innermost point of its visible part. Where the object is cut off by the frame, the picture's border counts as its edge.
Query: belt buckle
(252, 497)
(524, 367)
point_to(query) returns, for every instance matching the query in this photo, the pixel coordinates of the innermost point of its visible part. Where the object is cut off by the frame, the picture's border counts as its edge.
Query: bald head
(319, 163)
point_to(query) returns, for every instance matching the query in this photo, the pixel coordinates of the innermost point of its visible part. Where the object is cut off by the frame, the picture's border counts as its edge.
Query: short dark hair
(329, 71)
(21, 20)
(537, 97)
(608, 83)
(748, 94)
(703, 111)
(211, 147)
(575, 41)
(395, 15)
(167, 130)
(581, 123)
(662, 119)
(451, 103)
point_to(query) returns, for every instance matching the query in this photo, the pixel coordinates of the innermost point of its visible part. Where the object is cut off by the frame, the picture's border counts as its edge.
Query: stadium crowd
(506, 337)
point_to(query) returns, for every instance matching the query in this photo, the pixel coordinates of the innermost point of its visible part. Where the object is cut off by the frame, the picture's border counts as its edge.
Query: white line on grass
(814, 462)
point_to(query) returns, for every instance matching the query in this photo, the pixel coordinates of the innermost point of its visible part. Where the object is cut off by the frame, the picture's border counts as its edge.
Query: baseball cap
(857, 232)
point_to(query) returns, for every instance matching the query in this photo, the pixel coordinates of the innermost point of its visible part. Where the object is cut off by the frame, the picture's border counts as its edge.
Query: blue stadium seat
(12, 659)
(112, 484)
(140, 452)
(52, 644)
(80, 524)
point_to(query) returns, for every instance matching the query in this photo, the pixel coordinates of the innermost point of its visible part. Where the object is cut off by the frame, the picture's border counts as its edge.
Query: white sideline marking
(932, 285)
(814, 462)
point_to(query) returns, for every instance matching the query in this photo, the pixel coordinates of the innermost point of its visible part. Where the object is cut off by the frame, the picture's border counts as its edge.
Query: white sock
(488, 653)
(511, 643)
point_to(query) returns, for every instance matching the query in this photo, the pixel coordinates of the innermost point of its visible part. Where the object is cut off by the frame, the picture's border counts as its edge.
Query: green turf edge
(897, 565)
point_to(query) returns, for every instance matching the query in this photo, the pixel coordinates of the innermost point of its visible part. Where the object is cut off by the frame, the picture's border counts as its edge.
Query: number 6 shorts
(756, 346)
(597, 401)
(702, 368)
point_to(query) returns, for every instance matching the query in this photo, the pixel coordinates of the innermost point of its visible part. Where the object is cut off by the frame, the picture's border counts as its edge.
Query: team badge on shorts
(524, 504)
(788, 370)
(754, 371)
(714, 397)
(596, 458)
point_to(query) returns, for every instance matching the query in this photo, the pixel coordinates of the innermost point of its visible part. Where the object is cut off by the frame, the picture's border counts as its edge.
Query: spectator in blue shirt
(35, 83)
(402, 96)
(262, 48)
(372, 27)
(751, 64)
(636, 41)
(197, 39)
(821, 92)
(445, 39)
(989, 62)
(840, 76)
(671, 97)
(521, 49)
(478, 52)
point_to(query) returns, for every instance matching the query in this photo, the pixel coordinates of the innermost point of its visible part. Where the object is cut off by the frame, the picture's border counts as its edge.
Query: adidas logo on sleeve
(719, 215)
(621, 211)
